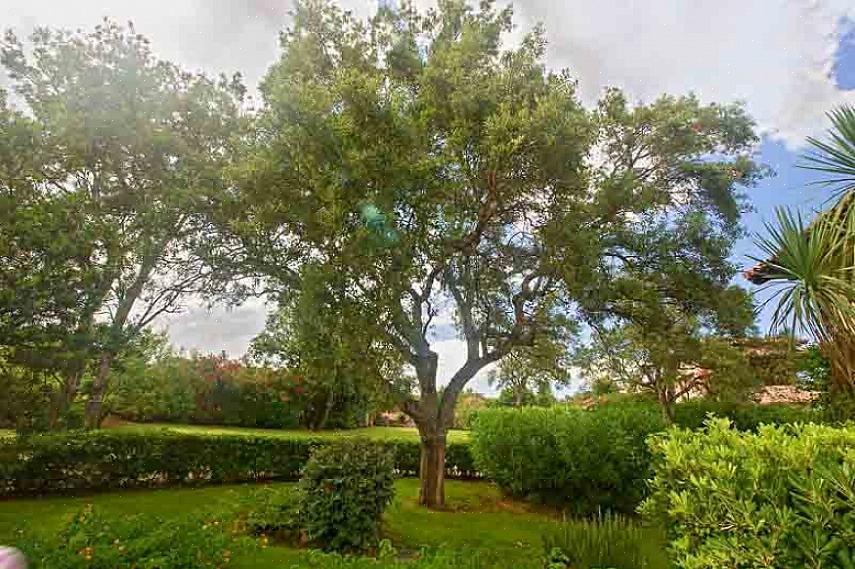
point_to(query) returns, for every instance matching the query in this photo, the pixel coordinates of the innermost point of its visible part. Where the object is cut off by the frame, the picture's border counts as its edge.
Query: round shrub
(346, 486)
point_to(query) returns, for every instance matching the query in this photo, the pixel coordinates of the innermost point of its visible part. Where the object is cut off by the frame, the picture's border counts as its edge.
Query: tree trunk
(328, 406)
(666, 402)
(94, 407)
(65, 397)
(432, 470)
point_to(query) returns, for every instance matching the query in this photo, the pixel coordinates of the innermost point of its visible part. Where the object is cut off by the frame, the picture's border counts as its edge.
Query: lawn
(379, 433)
(503, 533)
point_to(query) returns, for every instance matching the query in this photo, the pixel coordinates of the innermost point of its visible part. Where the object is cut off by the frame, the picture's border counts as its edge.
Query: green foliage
(586, 460)
(527, 375)
(118, 203)
(597, 459)
(775, 360)
(93, 541)
(426, 559)
(780, 497)
(345, 488)
(271, 511)
(745, 416)
(323, 337)
(114, 459)
(668, 354)
(605, 541)
(811, 266)
(468, 406)
(419, 160)
(212, 390)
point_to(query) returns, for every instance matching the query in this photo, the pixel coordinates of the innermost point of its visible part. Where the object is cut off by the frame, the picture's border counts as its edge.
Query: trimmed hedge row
(592, 460)
(102, 460)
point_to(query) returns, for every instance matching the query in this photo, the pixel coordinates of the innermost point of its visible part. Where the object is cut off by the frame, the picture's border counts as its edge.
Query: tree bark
(665, 395)
(65, 397)
(432, 469)
(94, 407)
(328, 405)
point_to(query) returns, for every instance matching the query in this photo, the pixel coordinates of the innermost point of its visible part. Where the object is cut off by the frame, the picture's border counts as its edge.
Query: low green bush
(345, 488)
(271, 512)
(780, 497)
(587, 460)
(101, 460)
(604, 541)
(93, 541)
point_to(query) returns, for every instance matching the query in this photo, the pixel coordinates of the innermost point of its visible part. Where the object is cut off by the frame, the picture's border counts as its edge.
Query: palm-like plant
(812, 267)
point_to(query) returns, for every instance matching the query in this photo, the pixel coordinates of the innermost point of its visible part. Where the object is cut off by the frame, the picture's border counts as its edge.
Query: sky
(790, 61)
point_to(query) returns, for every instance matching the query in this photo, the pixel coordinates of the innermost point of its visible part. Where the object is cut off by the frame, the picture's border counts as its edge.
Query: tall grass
(608, 540)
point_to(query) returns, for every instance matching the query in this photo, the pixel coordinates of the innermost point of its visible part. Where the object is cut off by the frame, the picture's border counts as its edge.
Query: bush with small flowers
(92, 541)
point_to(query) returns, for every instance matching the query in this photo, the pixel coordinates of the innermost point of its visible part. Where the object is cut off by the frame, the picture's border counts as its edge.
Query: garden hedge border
(102, 460)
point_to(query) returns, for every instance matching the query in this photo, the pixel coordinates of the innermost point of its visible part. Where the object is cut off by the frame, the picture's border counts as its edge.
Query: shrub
(781, 497)
(605, 541)
(745, 416)
(209, 390)
(102, 460)
(587, 460)
(271, 511)
(345, 488)
(597, 459)
(94, 542)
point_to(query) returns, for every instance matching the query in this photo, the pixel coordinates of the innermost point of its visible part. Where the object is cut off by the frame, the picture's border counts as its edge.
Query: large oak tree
(436, 168)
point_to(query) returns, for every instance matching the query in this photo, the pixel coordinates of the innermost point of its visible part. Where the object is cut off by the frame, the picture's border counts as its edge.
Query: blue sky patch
(844, 64)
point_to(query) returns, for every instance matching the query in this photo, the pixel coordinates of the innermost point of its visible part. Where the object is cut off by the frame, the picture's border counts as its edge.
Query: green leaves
(836, 157)
(780, 497)
(346, 486)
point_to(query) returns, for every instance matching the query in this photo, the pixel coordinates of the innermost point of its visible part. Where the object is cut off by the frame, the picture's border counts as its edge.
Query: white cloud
(777, 55)
(452, 356)
(215, 329)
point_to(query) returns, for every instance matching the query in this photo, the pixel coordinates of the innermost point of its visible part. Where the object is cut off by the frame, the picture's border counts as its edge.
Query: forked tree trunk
(432, 470)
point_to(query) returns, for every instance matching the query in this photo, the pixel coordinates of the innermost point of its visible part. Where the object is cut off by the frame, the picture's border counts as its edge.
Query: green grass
(379, 433)
(504, 533)
(6, 433)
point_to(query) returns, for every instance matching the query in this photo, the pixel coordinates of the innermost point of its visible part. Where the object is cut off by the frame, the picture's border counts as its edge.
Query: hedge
(587, 460)
(781, 497)
(100, 460)
(592, 460)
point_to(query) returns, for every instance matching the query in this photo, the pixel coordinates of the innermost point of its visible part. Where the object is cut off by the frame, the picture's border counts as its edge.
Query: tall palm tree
(811, 268)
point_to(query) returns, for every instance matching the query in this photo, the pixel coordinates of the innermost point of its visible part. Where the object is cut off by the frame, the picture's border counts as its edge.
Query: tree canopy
(127, 147)
(434, 168)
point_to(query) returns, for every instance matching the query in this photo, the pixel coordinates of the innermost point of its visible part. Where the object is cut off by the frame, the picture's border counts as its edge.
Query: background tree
(347, 372)
(528, 374)
(670, 356)
(431, 168)
(136, 144)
